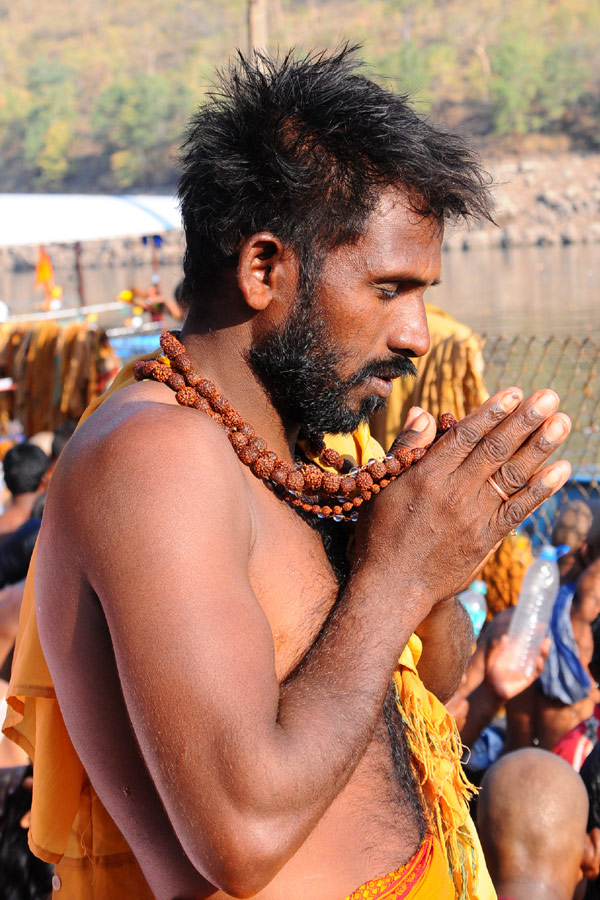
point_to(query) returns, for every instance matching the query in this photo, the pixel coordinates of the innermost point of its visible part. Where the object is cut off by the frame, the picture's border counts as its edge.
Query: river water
(520, 291)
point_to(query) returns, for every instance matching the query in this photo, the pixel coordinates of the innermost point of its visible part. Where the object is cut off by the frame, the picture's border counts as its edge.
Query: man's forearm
(447, 636)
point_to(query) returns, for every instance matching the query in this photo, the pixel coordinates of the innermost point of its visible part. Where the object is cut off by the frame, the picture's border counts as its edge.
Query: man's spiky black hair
(302, 148)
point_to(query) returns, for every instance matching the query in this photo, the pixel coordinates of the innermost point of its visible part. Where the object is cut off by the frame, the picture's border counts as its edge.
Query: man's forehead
(397, 234)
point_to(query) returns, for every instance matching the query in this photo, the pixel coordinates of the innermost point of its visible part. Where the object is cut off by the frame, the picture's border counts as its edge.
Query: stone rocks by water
(540, 201)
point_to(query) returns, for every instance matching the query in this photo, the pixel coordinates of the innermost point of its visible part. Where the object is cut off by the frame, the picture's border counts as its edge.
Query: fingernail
(420, 423)
(413, 414)
(546, 403)
(555, 475)
(510, 401)
(555, 429)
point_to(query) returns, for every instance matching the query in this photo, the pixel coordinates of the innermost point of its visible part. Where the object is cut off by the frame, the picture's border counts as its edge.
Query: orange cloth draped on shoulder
(70, 827)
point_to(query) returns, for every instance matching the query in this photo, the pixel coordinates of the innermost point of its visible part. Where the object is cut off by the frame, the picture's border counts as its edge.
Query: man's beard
(299, 368)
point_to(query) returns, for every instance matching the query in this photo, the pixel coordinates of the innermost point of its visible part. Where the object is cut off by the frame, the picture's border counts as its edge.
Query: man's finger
(513, 474)
(419, 430)
(545, 483)
(466, 434)
(500, 447)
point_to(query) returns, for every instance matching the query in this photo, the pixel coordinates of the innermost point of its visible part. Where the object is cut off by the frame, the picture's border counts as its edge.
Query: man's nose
(409, 330)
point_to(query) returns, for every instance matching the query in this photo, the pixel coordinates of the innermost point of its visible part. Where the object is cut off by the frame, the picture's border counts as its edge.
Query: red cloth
(576, 745)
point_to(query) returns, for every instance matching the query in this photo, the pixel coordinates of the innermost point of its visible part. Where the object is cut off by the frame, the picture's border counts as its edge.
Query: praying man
(220, 698)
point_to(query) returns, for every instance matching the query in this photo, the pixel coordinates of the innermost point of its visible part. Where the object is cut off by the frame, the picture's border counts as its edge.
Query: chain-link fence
(571, 367)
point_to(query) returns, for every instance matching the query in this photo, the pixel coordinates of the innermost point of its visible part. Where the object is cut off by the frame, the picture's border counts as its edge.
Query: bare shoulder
(140, 464)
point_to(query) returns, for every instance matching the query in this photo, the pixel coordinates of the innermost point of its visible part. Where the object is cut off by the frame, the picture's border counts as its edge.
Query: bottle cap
(553, 553)
(480, 586)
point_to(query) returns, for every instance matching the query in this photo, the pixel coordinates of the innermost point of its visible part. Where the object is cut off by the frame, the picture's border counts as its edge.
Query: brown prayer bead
(170, 344)
(206, 387)
(347, 484)
(160, 372)
(248, 455)
(358, 501)
(404, 457)
(366, 495)
(331, 457)
(348, 506)
(445, 422)
(263, 467)
(279, 475)
(295, 481)
(139, 370)
(181, 362)
(337, 510)
(393, 466)
(232, 418)
(259, 445)
(363, 481)
(177, 381)
(187, 396)
(238, 440)
(377, 470)
(330, 483)
(326, 510)
(312, 477)
(375, 489)
(220, 404)
(248, 430)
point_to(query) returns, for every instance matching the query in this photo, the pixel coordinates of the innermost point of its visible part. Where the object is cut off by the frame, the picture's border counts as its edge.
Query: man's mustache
(399, 367)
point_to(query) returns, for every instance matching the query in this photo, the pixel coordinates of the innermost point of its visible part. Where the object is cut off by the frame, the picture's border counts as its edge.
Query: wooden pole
(258, 25)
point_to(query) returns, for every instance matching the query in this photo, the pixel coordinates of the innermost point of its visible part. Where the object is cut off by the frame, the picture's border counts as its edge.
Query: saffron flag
(44, 272)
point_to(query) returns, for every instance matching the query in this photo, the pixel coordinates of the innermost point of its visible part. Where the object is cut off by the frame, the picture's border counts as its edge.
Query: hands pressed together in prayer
(443, 516)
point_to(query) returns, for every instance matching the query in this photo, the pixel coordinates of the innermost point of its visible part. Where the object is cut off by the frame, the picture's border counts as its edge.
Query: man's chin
(346, 421)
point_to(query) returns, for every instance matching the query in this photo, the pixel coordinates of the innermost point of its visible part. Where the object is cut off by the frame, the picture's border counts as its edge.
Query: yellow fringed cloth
(70, 827)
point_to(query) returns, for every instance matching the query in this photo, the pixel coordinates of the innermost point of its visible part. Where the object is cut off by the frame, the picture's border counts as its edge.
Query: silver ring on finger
(502, 494)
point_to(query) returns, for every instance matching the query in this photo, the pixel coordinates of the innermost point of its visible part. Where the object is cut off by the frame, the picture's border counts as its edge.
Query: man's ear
(590, 864)
(262, 264)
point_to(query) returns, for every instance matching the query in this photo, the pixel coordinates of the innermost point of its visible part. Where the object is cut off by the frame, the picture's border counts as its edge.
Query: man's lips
(381, 386)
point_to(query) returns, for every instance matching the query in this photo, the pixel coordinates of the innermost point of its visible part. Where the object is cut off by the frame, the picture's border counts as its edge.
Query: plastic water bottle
(531, 618)
(473, 600)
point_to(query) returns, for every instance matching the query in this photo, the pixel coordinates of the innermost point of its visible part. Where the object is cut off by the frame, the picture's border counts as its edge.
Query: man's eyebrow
(406, 279)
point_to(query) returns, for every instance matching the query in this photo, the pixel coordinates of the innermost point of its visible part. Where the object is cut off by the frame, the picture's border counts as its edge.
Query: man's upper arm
(166, 552)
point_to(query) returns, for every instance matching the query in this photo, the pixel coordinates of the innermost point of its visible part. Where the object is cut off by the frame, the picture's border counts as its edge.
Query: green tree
(517, 74)
(48, 122)
(136, 121)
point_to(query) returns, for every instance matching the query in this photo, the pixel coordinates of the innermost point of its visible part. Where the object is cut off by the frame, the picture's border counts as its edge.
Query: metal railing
(571, 367)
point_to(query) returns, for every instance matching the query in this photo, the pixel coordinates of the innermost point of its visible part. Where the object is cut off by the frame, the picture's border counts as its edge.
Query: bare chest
(292, 576)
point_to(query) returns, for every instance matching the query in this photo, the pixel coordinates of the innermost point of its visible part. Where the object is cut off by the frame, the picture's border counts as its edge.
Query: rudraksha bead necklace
(337, 495)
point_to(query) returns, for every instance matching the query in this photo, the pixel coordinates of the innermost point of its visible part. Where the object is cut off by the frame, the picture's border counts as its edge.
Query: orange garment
(70, 827)
(424, 877)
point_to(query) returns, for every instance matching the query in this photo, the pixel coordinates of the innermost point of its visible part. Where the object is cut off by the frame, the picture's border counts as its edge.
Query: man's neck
(530, 889)
(220, 354)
